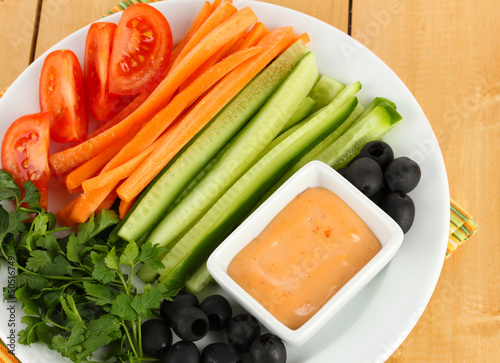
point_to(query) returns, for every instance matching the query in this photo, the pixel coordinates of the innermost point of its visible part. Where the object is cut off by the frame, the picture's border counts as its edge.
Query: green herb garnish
(76, 290)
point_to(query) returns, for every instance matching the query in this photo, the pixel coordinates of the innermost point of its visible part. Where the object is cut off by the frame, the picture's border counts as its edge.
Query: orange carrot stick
(200, 18)
(113, 176)
(131, 107)
(153, 129)
(124, 207)
(216, 57)
(64, 215)
(258, 31)
(68, 159)
(215, 4)
(304, 37)
(108, 202)
(91, 167)
(203, 112)
(221, 13)
(88, 202)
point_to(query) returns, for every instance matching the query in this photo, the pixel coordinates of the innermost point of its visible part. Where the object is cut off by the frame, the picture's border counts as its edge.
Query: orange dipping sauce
(304, 256)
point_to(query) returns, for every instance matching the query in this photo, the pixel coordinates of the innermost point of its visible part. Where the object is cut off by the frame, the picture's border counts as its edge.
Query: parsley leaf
(130, 254)
(150, 299)
(98, 293)
(9, 190)
(122, 309)
(73, 289)
(101, 272)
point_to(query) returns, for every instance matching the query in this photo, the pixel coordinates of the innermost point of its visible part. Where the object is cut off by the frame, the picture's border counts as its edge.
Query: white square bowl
(314, 174)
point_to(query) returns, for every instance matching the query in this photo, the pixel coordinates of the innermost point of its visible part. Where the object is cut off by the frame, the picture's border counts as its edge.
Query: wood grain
(333, 12)
(17, 24)
(448, 54)
(59, 18)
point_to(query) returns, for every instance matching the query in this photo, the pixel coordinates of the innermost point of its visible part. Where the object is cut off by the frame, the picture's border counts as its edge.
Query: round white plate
(374, 323)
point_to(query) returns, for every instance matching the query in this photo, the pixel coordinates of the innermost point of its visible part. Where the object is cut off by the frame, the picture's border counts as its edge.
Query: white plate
(375, 323)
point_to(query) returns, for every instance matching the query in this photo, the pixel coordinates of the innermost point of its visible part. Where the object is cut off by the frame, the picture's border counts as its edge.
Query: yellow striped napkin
(462, 227)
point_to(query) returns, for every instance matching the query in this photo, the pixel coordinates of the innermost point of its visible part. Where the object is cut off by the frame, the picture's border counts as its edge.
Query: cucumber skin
(148, 210)
(380, 120)
(265, 125)
(309, 156)
(325, 90)
(305, 108)
(199, 279)
(230, 217)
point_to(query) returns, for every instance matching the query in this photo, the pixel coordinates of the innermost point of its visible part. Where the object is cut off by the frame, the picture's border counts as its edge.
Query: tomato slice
(62, 94)
(25, 152)
(141, 50)
(102, 104)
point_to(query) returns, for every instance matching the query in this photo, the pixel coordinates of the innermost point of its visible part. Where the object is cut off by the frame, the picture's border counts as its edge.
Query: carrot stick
(64, 215)
(88, 202)
(215, 4)
(89, 168)
(108, 202)
(200, 18)
(220, 14)
(125, 207)
(203, 112)
(113, 176)
(258, 31)
(131, 107)
(304, 37)
(68, 159)
(216, 57)
(153, 129)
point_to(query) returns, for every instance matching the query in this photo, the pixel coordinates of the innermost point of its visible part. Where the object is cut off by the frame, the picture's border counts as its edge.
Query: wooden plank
(447, 53)
(60, 18)
(17, 19)
(333, 12)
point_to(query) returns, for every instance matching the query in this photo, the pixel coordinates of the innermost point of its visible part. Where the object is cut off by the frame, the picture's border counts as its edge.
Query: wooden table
(448, 54)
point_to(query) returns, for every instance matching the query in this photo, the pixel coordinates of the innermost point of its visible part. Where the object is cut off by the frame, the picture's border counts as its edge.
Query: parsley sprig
(76, 289)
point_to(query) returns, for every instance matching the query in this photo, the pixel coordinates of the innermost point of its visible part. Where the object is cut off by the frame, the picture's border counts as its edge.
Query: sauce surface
(304, 256)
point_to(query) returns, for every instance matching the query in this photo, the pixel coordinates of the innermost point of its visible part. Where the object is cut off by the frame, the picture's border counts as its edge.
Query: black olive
(218, 310)
(156, 338)
(380, 195)
(343, 171)
(402, 174)
(241, 330)
(182, 352)
(220, 353)
(366, 175)
(268, 348)
(189, 323)
(379, 151)
(183, 298)
(401, 208)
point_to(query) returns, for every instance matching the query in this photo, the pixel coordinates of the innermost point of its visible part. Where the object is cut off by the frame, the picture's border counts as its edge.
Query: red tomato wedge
(102, 104)
(62, 94)
(25, 152)
(141, 50)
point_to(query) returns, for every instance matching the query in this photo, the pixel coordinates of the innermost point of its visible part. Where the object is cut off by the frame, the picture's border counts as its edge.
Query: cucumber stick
(153, 204)
(309, 156)
(247, 146)
(372, 126)
(325, 90)
(199, 279)
(233, 206)
(336, 102)
(305, 108)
